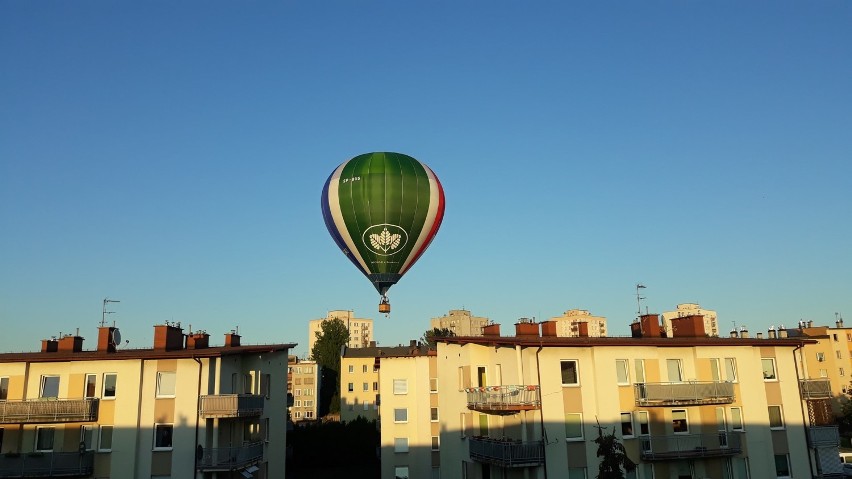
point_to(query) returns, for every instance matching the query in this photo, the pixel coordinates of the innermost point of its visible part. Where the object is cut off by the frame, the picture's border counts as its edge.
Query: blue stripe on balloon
(332, 228)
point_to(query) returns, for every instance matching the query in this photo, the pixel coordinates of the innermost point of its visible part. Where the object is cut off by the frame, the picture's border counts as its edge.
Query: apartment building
(828, 357)
(579, 322)
(181, 409)
(460, 322)
(360, 329)
(688, 406)
(303, 382)
(711, 323)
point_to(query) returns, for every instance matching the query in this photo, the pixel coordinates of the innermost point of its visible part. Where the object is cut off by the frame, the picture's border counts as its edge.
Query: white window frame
(86, 386)
(402, 421)
(101, 436)
(576, 372)
(433, 417)
(53, 441)
(365, 387)
(626, 364)
(400, 386)
(780, 416)
(686, 418)
(433, 385)
(401, 472)
(154, 445)
(44, 379)
(732, 371)
(774, 378)
(632, 425)
(789, 467)
(400, 444)
(679, 370)
(160, 375)
(436, 440)
(715, 370)
(639, 422)
(737, 425)
(639, 370)
(582, 435)
(91, 429)
(351, 368)
(103, 387)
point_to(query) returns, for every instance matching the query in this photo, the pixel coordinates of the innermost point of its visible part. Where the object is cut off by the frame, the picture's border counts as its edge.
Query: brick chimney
(168, 337)
(70, 344)
(548, 329)
(49, 345)
(691, 326)
(526, 329)
(649, 326)
(106, 339)
(197, 340)
(232, 340)
(583, 329)
(491, 330)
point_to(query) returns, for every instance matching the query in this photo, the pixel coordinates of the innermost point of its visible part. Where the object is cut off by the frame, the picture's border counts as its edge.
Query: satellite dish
(116, 337)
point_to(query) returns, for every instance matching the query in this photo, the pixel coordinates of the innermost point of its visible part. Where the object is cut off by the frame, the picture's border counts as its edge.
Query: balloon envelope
(383, 209)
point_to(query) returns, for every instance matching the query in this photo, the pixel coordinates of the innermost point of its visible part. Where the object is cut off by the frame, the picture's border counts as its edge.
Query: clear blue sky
(171, 155)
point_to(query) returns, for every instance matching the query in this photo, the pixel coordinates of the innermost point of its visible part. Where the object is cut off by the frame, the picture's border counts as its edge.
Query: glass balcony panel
(689, 393)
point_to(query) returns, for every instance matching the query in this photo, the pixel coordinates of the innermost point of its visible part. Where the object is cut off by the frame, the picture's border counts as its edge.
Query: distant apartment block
(360, 329)
(579, 322)
(183, 408)
(460, 322)
(303, 382)
(711, 324)
(828, 359)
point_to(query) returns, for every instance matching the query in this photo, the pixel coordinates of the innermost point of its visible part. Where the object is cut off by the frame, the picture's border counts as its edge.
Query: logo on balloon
(385, 239)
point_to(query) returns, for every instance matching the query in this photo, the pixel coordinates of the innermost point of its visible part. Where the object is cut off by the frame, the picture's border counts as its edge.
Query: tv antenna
(639, 298)
(105, 312)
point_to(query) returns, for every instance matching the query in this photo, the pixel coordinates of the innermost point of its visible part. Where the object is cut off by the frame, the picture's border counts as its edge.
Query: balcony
(230, 405)
(690, 446)
(507, 453)
(503, 400)
(815, 388)
(47, 464)
(683, 394)
(48, 410)
(230, 458)
(823, 436)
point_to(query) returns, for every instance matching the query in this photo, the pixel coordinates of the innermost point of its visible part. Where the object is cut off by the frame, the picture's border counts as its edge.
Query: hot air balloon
(383, 209)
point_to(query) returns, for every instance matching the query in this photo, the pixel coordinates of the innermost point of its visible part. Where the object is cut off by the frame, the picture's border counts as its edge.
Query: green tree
(430, 336)
(613, 456)
(331, 338)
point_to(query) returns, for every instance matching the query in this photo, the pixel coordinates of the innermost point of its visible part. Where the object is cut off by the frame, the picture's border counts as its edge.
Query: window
(782, 465)
(463, 424)
(776, 421)
(297, 392)
(110, 380)
(400, 386)
(265, 385)
(309, 403)
(435, 443)
(365, 387)
(433, 414)
(308, 392)
(823, 373)
(351, 368)
(841, 371)
(309, 414)
(573, 426)
(433, 385)
(364, 368)
(309, 369)
(400, 415)
(297, 403)
(86, 437)
(375, 385)
(722, 427)
(626, 425)
(621, 374)
(731, 369)
(4, 389)
(163, 436)
(839, 355)
(674, 370)
(400, 472)
(680, 424)
(400, 444)
(105, 439)
(166, 384)
(715, 375)
(483, 424)
(644, 427)
(297, 415)
(639, 370)
(90, 386)
(350, 387)
(768, 365)
(44, 438)
(366, 405)
(820, 357)
(49, 388)
(736, 419)
(570, 374)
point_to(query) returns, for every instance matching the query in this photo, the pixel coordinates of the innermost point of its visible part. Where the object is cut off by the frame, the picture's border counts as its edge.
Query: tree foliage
(613, 456)
(430, 336)
(331, 338)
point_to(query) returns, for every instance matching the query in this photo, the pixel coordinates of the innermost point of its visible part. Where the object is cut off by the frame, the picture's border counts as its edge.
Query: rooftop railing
(505, 453)
(503, 399)
(47, 464)
(230, 458)
(685, 446)
(675, 394)
(230, 405)
(47, 410)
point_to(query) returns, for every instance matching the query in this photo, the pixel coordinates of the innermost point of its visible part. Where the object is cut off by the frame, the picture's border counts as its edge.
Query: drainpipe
(23, 397)
(198, 396)
(804, 418)
(541, 409)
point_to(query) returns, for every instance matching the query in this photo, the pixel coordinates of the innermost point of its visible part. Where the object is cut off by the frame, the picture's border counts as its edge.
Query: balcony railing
(676, 394)
(507, 453)
(685, 446)
(230, 405)
(503, 399)
(47, 464)
(230, 458)
(821, 436)
(48, 410)
(815, 388)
